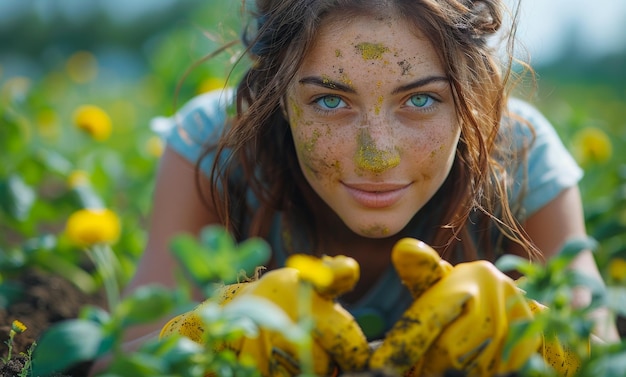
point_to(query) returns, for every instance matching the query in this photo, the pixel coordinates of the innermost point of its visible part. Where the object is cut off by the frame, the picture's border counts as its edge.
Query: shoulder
(547, 168)
(200, 119)
(197, 116)
(524, 118)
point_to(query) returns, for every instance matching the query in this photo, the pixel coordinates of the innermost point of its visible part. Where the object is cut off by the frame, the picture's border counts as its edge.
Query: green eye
(330, 102)
(420, 100)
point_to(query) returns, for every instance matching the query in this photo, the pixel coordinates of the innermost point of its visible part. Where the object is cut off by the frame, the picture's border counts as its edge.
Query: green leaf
(13, 132)
(10, 292)
(217, 239)
(54, 161)
(537, 367)
(216, 256)
(252, 253)
(609, 229)
(595, 286)
(178, 352)
(146, 304)
(66, 344)
(265, 314)
(609, 365)
(574, 246)
(509, 262)
(616, 300)
(95, 314)
(16, 197)
(87, 197)
(138, 364)
(55, 262)
(12, 260)
(35, 244)
(193, 259)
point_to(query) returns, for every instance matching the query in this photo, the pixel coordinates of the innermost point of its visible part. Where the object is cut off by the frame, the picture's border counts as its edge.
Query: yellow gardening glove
(338, 342)
(459, 320)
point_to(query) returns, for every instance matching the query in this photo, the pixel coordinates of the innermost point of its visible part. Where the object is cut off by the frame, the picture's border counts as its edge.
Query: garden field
(77, 131)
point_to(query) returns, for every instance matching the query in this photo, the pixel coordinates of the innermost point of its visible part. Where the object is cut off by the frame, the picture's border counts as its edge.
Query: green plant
(97, 332)
(27, 370)
(553, 285)
(17, 327)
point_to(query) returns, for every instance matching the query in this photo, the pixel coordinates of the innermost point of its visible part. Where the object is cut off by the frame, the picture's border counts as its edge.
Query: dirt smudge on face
(379, 104)
(405, 66)
(371, 51)
(328, 81)
(375, 230)
(309, 145)
(296, 111)
(370, 158)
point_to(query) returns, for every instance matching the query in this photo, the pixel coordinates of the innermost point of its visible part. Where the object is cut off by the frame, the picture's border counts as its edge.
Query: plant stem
(9, 343)
(106, 264)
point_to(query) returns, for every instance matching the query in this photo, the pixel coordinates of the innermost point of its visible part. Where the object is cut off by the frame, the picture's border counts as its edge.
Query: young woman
(361, 122)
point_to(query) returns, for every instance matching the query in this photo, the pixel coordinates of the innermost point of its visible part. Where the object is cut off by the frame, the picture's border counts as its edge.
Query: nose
(376, 152)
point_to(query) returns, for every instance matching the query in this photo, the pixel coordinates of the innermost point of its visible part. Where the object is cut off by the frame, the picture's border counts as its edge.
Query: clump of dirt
(45, 300)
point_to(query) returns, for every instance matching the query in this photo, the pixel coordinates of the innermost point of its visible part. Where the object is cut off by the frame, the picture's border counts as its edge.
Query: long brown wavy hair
(256, 151)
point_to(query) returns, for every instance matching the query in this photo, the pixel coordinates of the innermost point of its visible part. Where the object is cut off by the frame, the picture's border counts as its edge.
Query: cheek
(433, 150)
(318, 149)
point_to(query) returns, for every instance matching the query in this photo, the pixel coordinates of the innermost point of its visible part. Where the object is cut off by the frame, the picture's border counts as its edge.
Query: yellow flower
(617, 270)
(312, 269)
(77, 178)
(94, 121)
(18, 327)
(155, 146)
(86, 227)
(592, 145)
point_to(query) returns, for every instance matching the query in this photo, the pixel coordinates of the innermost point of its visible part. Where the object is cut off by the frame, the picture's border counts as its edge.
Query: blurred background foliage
(56, 59)
(130, 61)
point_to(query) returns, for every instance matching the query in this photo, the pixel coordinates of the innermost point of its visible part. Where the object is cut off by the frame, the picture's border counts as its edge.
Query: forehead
(388, 40)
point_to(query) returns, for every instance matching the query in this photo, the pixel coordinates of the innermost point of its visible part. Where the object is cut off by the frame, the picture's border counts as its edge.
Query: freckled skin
(374, 135)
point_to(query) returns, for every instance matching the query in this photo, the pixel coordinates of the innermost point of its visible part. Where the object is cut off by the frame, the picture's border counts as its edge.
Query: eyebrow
(419, 83)
(327, 83)
(335, 85)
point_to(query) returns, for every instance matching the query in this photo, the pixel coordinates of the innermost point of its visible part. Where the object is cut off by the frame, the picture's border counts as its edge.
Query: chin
(377, 230)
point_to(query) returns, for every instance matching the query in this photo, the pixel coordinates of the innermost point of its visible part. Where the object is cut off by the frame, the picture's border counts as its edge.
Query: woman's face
(373, 122)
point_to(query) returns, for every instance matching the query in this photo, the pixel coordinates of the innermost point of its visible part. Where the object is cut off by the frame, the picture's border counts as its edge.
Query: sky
(599, 26)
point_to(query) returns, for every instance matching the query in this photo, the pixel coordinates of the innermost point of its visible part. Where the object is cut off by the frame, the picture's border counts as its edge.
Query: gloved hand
(459, 320)
(338, 341)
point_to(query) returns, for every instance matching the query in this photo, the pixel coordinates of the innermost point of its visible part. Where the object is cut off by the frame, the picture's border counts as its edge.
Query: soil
(49, 299)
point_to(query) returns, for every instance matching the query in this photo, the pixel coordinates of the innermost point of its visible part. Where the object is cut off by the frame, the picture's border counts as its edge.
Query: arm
(549, 228)
(177, 208)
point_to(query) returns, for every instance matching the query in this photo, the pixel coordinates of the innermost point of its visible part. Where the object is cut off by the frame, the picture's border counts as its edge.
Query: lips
(376, 195)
